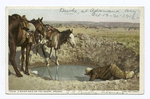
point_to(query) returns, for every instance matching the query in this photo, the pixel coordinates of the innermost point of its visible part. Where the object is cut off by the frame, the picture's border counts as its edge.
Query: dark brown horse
(55, 39)
(19, 36)
(40, 33)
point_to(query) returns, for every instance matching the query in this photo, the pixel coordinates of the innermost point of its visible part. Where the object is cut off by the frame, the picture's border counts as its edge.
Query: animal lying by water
(108, 72)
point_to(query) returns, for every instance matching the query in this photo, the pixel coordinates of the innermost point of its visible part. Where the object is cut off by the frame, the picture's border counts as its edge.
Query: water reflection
(65, 72)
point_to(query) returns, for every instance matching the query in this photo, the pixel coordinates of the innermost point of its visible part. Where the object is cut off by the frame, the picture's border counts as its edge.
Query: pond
(65, 72)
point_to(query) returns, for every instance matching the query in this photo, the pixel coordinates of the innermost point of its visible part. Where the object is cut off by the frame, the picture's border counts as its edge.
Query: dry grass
(129, 38)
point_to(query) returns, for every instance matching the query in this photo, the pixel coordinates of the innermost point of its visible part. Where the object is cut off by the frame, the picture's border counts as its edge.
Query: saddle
(26, 35)
(24, 26)
(48, 27)
(49, 30)
(24, 23)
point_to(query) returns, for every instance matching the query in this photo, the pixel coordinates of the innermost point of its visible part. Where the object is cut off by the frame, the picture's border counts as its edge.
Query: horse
(20, 36)
(55, 39)
(40, 33)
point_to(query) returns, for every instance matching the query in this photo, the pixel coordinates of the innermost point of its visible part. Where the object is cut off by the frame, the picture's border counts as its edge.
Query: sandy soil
(33, 82)
(68, 54)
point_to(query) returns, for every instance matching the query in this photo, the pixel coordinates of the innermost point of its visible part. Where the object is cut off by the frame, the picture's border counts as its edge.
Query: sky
(80, 14)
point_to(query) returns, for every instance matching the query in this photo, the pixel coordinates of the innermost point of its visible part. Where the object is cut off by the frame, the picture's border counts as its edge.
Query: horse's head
(70, 38)
(39, 27)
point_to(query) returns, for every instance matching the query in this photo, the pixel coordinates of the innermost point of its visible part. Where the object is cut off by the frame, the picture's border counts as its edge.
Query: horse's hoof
(47, 65)
(22, 70)
(57, 64)
(27, 73)
(19, 75)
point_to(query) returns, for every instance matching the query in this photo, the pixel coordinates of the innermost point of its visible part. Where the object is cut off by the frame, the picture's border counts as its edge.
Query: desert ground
(34, 82)
(95, 46)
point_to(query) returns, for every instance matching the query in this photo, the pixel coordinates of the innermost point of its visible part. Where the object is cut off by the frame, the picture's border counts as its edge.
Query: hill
(95, 24)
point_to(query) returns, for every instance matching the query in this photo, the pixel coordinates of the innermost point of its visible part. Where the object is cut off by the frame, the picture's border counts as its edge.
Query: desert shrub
(92, 52)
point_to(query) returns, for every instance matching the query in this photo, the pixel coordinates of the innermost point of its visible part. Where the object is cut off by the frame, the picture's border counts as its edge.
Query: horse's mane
(57, 30)
(66, 31)
(33, 20)
(65, 34)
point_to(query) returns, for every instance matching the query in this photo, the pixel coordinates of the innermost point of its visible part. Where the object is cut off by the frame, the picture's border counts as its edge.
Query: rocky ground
(89, 52)
(33, 82)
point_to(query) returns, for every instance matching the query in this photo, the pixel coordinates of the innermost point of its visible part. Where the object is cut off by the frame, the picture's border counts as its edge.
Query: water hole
(65, 72)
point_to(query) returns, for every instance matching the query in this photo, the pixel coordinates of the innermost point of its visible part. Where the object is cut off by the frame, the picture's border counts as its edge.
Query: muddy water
(65, 72)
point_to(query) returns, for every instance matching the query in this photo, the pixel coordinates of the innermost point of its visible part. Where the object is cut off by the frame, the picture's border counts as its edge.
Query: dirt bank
(34, 82)
(89, 52)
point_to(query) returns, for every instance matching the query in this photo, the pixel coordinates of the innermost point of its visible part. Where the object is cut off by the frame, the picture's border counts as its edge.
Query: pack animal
(40, 33)
(55, 39)
(20, 36)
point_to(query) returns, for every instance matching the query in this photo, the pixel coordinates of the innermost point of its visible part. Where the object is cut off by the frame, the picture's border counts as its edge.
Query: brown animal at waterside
(20, 34)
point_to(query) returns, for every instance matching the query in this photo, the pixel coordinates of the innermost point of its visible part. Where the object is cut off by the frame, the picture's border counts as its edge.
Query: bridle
(41, 40)
(43, 28)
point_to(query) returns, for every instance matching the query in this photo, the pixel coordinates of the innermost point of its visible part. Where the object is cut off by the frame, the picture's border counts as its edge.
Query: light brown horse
(55, 39)
(18, 36)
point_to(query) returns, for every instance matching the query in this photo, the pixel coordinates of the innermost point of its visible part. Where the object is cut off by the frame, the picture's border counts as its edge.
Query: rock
(46, 78)
(35, 72)
(83, 36)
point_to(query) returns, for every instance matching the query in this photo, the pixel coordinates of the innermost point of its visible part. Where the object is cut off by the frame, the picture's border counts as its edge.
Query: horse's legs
(50, 54)
(47, 61)
(57, 72)
(27, 58)
(45, 57)
(22, 58)
(12, 47)
(56, 54)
